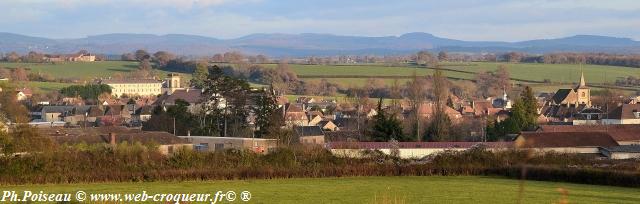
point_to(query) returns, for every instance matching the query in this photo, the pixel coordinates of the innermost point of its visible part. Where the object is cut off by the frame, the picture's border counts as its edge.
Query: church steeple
(583, 84)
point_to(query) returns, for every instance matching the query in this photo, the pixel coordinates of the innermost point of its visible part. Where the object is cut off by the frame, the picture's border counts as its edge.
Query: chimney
(112, 138)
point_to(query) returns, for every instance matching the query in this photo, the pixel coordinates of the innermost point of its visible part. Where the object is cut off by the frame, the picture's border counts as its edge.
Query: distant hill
(306, 44)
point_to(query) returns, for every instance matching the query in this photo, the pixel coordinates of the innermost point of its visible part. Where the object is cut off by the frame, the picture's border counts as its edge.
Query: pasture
(520, 72)
(356, 75)
(430, 189)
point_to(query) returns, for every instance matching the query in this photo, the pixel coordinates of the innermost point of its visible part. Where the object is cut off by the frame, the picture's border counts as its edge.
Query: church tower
(172, 83)
(584, 93)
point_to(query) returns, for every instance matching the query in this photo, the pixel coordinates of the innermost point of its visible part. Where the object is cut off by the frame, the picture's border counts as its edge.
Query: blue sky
(467, 20)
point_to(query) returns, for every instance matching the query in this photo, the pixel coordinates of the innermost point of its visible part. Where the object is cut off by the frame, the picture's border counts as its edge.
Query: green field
(345, 75)
(521, 72)
(432, 189)
(81, 70)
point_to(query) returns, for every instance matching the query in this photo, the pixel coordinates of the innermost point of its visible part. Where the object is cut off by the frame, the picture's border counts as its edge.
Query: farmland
(356, 75)
(431, 189)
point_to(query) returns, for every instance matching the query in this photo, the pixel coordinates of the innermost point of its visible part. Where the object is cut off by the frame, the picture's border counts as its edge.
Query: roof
(129, 81)
(566, 139)
(343, 136)
(626, 111)
(294, 108)
(56, 109)
(144, 110)
(309, 130)
(25, 91)
(346, 123)
(583, 83)
(416, 145)
(617, 132)
(228, 138)
(562, 94)
(191, 96)
(162, 138)
(101, 135)
(624, 148)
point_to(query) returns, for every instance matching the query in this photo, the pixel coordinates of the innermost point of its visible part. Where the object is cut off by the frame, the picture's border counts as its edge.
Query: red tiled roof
(618, 132)
(566, 139)
(414, 145)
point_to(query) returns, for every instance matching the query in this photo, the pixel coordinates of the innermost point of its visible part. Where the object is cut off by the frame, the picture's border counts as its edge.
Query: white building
(134, 87)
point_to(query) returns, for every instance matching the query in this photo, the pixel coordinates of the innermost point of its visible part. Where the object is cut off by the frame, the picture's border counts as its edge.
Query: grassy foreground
(432, 189)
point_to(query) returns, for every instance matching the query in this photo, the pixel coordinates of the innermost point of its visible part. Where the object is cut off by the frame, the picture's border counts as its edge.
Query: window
(584, 94)
(202, 147)
(219, 146)
(170, 149)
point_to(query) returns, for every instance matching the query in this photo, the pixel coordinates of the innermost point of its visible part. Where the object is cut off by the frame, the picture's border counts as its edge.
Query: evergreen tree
(264, 109)
(530, 106)
(386, 127)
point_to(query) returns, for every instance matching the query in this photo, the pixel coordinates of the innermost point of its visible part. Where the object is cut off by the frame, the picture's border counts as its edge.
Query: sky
(486, 20)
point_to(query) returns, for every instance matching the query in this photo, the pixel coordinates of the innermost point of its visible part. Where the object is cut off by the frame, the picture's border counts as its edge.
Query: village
(569, 122)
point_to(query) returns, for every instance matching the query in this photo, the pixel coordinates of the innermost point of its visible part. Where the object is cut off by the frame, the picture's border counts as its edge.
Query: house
(588, 116)
(565, 142)
(51, 113)
(23, 94)
(54, 58)
(621, 152)
(427, 109)
(295, 115)
(209, 143)
(315, 119)
(134, 87)
(114, 115)
(349, 124)
(192, 96)
(484, 108)
(143, 114)
(409, 149)
(624, 114)
(81, 58)
(309, 134)
(327, 125)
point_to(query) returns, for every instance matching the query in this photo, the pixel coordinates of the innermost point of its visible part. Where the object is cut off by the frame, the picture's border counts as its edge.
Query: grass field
(563, 73)
(82, 70)
(433, 189)
(344, 74)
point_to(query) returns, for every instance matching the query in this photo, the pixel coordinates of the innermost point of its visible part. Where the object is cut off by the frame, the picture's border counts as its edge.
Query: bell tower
(172, 83)
(584, 93)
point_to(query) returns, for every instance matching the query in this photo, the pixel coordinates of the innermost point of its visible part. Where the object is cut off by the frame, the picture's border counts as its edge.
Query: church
(579, 96)
(569, 104)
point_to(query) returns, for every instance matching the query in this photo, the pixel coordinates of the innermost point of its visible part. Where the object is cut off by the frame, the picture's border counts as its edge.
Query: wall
(221, 143)
(404, 153)
(172, 148)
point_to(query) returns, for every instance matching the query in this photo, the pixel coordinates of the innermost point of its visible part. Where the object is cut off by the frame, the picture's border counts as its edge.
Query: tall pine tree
(386, 127)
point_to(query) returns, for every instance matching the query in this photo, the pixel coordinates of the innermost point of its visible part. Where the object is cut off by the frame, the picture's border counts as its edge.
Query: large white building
(134, 87)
